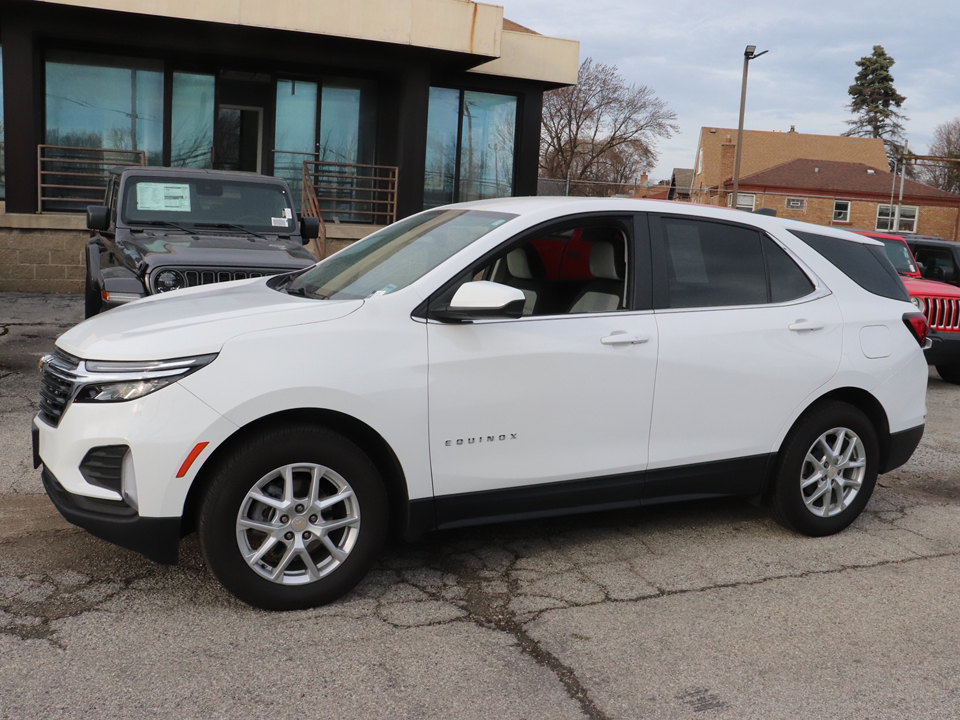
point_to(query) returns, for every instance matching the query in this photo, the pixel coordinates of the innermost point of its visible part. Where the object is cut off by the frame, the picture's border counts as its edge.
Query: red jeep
(939, 301)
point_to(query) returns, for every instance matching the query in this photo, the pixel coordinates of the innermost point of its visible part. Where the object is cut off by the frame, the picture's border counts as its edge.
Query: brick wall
(45, 253)
(42, 253)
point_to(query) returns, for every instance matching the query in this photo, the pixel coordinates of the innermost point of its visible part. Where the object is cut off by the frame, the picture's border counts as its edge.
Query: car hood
(930, 287)
(194, 321)
(166, 249)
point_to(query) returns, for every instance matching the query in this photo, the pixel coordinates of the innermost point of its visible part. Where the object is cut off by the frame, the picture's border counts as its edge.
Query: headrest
(517, 264)
(603, 261)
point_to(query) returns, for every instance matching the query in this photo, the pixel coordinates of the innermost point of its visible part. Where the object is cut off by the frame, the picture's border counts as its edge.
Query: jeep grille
(942, 313)
(207, 276)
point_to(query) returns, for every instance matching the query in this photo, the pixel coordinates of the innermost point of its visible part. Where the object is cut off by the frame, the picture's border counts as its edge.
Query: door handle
(624, 338)
(803, 324)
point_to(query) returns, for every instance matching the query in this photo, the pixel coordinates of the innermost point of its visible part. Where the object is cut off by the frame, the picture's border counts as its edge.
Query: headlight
(107, 381)
(167, 280)
(918, 303)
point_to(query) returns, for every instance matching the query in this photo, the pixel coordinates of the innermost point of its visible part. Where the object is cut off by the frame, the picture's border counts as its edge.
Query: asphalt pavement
(698, 610)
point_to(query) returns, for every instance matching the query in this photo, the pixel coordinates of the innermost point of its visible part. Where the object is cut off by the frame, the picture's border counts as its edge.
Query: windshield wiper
(230, 226)
(162, 223)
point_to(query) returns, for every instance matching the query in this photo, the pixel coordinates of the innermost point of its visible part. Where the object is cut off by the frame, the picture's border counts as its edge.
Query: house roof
(765, 149)
(682, 178)
(843, 177)
(517, 27)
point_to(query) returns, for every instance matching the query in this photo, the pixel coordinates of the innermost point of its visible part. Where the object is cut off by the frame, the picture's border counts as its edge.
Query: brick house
(717, 148)
(850, 195)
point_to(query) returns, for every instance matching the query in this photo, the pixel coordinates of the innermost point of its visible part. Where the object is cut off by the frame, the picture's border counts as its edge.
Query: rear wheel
(293, 519)
(827, 470)
(949, 373)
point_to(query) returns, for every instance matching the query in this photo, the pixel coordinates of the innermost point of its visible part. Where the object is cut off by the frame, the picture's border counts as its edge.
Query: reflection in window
(296, 133)
(441, 167)
(347, 132)
(484, 124)
(105, 102)
(192, 120)
(486, 148)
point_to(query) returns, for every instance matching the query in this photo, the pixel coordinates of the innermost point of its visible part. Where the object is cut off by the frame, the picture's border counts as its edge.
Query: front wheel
(293, 519)
(827, 470)
(949, 373)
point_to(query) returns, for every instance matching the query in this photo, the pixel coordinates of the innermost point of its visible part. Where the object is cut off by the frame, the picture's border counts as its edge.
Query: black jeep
(164, 229)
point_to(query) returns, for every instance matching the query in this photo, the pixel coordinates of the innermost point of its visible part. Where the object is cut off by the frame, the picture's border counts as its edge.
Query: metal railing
(351, 193)
(70, 178)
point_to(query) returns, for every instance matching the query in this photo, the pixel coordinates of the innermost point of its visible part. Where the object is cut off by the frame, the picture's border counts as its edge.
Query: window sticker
(287, 213)
(169, 197)
(279, 222)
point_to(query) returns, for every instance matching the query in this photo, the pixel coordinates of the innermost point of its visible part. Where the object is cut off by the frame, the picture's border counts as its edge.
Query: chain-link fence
(592, 188)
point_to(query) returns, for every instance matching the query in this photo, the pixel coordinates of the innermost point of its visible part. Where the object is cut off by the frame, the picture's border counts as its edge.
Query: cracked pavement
(698, 610)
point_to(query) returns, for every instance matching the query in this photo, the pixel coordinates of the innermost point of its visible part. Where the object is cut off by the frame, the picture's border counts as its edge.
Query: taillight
(918, 326)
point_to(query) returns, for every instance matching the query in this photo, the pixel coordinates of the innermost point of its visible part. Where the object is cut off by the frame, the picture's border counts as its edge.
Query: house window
(841, 211)
(796, 203)
(887, 214)
(745, 201)
(470, 146)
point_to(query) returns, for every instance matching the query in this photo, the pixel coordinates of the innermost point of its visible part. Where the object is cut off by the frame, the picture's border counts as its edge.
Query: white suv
(484, 362)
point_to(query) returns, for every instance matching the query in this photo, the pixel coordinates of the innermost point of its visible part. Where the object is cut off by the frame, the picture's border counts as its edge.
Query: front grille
(103, 466)
(57, 385)
(207, 276)
(943, 314)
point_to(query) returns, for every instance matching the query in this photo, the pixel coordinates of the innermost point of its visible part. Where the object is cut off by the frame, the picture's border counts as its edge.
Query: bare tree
(602, 129)
(946, 144)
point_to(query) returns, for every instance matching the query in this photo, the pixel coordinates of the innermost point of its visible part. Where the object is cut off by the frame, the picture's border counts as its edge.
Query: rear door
(745, 337)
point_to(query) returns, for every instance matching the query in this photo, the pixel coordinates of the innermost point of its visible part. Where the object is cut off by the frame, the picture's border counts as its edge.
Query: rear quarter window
(867, 265)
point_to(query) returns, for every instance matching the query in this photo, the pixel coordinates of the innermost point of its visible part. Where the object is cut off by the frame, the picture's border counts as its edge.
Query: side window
(712, 264)
(937, 264)
(565, 269)
(787, 281)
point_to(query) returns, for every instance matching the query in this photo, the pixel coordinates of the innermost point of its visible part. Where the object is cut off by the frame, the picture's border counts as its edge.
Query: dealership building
(375, 108)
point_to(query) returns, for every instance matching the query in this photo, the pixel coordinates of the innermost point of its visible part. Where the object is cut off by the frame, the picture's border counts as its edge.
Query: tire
(949, 373)
(827, 505)
(272, 546)
(92, 304)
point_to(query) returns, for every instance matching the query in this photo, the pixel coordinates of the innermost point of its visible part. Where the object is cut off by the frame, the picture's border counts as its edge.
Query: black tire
(949, 373)
(315, 456)
(798, 506)
(92, 304)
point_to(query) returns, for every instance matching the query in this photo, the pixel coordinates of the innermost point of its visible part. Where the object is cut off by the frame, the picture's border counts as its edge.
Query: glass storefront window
(481, 167)
(105, 102)
(486, 148)
(347, 117)
(192, 120)
(443, 119)
(296, 134)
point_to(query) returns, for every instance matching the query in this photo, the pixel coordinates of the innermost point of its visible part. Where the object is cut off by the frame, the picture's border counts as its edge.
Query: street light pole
(748, 54)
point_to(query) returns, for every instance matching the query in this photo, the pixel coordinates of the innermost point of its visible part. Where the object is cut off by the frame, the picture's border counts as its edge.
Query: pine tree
(874, 102)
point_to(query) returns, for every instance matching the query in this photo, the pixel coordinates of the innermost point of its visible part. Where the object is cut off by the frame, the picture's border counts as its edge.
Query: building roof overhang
(472, 30)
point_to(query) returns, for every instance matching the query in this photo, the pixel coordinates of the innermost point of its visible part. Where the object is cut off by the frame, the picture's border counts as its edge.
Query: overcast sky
(691, 55)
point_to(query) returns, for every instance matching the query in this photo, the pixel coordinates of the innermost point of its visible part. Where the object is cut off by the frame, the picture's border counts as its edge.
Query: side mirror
(98, 217)
(309, 228)
(482, 299)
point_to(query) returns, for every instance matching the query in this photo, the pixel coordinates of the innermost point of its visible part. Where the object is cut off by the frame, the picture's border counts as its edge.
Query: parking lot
(698, 610)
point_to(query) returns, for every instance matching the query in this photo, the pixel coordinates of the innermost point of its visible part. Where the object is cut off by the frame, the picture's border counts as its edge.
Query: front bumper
(114, 521)
(944, 348)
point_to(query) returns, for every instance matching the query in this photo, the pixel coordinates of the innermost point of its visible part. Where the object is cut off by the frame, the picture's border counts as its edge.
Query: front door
(238, 138)
(561, 394)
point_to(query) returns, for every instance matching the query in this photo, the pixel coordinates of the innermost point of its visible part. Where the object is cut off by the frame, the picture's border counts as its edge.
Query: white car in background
(491, 361)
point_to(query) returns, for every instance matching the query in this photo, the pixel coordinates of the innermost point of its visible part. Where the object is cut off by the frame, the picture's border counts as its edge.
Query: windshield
(899, 255)
(396, 256)
(208, 202)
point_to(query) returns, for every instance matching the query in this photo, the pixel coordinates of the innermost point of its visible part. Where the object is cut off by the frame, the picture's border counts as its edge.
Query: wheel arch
(858, 398)
(358, 432)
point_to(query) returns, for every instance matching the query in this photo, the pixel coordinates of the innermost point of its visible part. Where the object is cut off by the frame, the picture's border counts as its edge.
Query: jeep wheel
(293, 519)
(826, 471)
(949, 373)
(92, 303)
